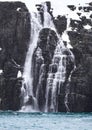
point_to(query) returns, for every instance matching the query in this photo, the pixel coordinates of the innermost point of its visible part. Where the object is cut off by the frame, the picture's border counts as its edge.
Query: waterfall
(27, 86)
(57, 76)
(29, 101)
(47, 18)
(57, 68)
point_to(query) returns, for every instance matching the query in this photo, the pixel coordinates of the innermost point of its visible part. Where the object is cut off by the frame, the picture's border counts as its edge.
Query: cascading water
(57, 68)
(27, 86)
(57, 76)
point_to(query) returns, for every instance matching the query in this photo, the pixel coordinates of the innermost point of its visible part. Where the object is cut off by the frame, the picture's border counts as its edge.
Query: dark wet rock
(9, 93)
(80, 92)
(78, 100)
(76, 24)
(74, 37)
(47, 42)
(14, 34)
(85, 21)
(60, 24)
(91, 16)
(79, 14)
(80, 8)
(78, 55)
(87, 8)
(14, 40)
(90, 3)
(80, 87)
(53, 68)
(61, 105)
(42, 58)
(30, 101)
(71, 7)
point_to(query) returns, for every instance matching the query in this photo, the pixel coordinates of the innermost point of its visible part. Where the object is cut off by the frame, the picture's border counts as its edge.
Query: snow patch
(75, 22)
(65, 37)
(86, 14)
(69, 46)
(19, 74)
(18, 9)
(0, 49)
(1, 71)
(87, 27)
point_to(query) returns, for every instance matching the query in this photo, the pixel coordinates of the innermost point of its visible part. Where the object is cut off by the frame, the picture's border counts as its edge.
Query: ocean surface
(45, 121)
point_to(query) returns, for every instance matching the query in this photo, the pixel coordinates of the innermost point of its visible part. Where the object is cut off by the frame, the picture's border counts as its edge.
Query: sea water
(45, 121)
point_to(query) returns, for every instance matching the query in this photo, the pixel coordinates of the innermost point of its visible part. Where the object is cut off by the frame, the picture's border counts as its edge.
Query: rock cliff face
(42, 58)
(80, 96)
(14, 42)
(14, 38)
